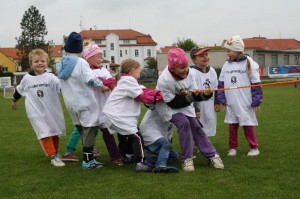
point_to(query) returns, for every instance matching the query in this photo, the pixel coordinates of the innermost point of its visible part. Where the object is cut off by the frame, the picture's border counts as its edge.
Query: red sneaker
(69, 157)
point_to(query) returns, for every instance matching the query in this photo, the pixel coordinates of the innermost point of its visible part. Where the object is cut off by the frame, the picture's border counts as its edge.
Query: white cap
(235, 43)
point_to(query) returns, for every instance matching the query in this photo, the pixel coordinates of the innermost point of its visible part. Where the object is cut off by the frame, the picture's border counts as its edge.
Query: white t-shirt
(153, 127)
(208, 116)
(121, 109)
(42, 103)
(79, 97)
(234, 74)
(169, 87)
(102, 96)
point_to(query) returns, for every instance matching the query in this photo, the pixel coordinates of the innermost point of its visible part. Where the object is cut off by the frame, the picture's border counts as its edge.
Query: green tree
(34, 29)
(186, 44)
(151, 63)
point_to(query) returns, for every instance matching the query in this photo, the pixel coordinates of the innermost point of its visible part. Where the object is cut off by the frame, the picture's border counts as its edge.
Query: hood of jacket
(66, 66)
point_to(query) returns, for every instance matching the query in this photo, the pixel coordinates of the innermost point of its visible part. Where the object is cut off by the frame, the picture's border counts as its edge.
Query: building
(121, 44)
(267, 53)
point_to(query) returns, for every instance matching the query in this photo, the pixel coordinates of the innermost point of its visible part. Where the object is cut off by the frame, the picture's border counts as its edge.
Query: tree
(186, 44)
(151, 63)
(34, 29)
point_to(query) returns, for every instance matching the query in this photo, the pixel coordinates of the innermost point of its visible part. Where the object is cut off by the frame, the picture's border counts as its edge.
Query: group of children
(96, 100)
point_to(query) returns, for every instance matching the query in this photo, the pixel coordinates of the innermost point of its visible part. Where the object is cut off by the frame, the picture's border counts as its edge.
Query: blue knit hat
(74, 43)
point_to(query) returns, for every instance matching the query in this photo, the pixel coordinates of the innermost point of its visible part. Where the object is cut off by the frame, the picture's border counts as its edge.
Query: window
(286, 60)
(126, 41)
(121, 53)
(149, 52)
(125, 52)
(296, 59)
(112, 46)
(274, 60)
(261, 59)
(4, 69)
(136, 53)
(112, 59)
(97, 41)
(104, 53)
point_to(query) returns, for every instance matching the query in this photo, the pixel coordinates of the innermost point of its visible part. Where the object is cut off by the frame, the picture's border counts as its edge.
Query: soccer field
(26, 173)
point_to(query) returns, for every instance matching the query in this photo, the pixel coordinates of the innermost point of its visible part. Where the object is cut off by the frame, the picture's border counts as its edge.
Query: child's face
(96, 60)
(39, 64)
(135, 72)
(181, 72)
(201, 60)
(232, 54)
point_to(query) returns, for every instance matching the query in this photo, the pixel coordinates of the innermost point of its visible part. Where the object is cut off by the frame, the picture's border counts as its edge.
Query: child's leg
(124, 146)
(48, 146)
(136, 142)
(73, 141)
(111, 145)
(88, 138)
(233, 135)
(201, 139)
(162, 148)
(251, 136)
(185, 135)
(56, 142)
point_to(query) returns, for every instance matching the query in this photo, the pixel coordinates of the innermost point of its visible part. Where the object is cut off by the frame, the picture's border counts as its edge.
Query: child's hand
(208, 92)
(217, 107)
(198, 114)
(105, 88)
(14, 106)
(257, 109)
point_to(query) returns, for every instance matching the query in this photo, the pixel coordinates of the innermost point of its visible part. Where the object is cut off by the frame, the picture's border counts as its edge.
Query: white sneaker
(253, 152)
(188, 165)
(216, 162)
(56, 161)
(231, 152)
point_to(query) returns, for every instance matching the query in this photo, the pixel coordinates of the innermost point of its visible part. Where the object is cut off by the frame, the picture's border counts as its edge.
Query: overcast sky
(206, 22)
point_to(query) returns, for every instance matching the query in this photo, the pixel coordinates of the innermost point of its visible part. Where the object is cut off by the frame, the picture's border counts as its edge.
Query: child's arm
(221, 94)
(16, 97)
(150, 96)
(181, 101)
(110, 82)
(257, 97)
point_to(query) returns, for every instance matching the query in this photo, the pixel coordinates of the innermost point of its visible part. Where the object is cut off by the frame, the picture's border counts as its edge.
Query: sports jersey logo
(233, 80)
(40, 93)
(206, 84)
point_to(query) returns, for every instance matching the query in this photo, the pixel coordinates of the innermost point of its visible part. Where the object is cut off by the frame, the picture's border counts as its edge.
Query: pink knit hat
(177, 58)
(90, 50)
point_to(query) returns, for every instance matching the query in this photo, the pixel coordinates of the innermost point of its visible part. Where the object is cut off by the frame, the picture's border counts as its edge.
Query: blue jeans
(160, 152)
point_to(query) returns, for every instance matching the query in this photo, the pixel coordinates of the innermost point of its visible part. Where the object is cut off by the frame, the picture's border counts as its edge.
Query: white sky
(206, 22)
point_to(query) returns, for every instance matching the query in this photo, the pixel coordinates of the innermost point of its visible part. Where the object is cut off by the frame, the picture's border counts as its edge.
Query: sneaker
(56, 161)
(93, 164)
(188, 165)
(69, 157)
(231, 152)
(141, 166)
(128, 159)
(165, 169)
(216, 162)
(118, 162)
(253, 152)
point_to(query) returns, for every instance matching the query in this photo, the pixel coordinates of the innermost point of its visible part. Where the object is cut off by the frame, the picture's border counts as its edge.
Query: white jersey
(169, 87)
(79, 97)
(102, 96)
(121, 109)
(239, 101)
(42, 104)
(153, 127)
(208, 116)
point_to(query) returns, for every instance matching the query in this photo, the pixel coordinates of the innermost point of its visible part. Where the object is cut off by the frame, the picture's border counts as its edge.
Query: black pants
(135, 142)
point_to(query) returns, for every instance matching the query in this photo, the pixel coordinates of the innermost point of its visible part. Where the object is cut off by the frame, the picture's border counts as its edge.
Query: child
(93, 55)
(78, 83)
(42, 104)
(174, 80)
(122, 109)
(241, 104)
(157, 136)
(206, 77)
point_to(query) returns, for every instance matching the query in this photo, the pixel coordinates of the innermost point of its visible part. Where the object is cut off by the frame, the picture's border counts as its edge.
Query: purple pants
(111, 145)
(189, 129)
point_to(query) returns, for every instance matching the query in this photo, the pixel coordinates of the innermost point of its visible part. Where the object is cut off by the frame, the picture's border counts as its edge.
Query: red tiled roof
(57, 51)
(10, 52)
(262, 43)
(166, 49)
(124, 34)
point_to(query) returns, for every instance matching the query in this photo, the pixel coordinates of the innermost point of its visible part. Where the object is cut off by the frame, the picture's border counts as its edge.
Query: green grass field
(26, 173)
